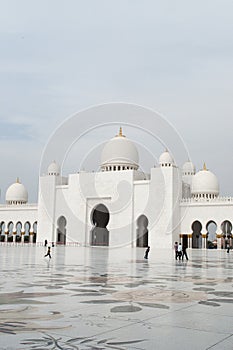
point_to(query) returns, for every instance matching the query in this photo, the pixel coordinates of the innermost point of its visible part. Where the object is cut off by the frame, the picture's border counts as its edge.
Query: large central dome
(119, 154)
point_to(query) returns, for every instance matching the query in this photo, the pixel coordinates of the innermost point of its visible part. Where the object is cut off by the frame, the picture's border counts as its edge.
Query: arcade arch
(226, 228)
(18, 231)
(196, 235)
(211, 228)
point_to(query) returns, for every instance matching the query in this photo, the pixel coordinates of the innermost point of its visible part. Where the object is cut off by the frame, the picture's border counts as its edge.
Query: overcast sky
(58, 57)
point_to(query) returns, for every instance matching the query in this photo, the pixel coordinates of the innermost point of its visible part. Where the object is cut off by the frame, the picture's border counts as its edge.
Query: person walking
(48, 253)
(146, 253)
(176, 250)
(184, 253)
(179, 251)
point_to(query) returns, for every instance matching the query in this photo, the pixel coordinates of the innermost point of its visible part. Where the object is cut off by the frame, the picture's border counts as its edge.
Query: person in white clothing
(179, 251)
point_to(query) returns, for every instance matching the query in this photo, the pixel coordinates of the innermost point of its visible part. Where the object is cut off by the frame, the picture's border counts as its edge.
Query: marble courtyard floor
(101, 298)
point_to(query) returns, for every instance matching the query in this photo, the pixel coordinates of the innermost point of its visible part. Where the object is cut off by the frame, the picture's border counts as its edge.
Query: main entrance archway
(99, 233)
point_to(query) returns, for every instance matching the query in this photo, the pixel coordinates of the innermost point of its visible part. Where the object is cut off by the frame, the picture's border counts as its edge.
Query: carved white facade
(121, 205)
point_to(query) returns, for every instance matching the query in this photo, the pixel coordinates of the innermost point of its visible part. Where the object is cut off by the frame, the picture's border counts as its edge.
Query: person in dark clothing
(176, 250)
(146, 253)
(45, 243)
(48, 253)
(184, 253)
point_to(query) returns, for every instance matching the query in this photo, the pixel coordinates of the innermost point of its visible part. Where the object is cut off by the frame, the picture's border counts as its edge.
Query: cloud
(15, 131)
(58, 57)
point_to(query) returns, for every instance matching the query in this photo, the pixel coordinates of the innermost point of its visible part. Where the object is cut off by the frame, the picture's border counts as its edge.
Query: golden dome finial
(120, 133)
(204, 166)
(17, 180)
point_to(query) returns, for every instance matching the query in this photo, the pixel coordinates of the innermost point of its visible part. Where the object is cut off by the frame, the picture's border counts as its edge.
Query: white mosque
(121, 205)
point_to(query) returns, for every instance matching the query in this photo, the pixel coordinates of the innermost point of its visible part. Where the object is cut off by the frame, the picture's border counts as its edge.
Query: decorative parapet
(207, 200)
(19, 205)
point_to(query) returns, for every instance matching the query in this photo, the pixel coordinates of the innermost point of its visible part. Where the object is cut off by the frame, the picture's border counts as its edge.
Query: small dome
(16, 194)
(119, 154)
(205, 183)
(188, 168)
(166, 159)
(54, 169)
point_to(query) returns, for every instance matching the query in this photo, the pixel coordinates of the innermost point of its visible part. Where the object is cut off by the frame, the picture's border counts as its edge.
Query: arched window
(61, 230)
(142, 231)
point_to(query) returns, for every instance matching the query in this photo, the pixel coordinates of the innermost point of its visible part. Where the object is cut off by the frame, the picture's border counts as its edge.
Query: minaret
(188, 171)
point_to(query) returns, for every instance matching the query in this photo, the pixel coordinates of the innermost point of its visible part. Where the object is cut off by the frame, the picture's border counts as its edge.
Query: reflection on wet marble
(101, 298)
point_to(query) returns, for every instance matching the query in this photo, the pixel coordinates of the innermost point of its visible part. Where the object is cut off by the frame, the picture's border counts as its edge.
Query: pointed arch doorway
(142, 231)
(99, 233)
(61, 230)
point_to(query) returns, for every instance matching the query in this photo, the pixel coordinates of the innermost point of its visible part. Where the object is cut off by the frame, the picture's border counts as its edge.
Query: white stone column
(14, 233)
(22, 237)
(219, 240)
(204, 245)
(181, 238)
(31, 234)
(190, 238)
(6, 236)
